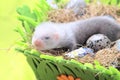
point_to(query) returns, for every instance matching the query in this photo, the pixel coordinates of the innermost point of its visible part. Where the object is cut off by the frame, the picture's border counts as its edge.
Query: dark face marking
(47, 37)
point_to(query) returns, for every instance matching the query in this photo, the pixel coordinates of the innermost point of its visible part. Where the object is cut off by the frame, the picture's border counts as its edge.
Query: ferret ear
(56, 36)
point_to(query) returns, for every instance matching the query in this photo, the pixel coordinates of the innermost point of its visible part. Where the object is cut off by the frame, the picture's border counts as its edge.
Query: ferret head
(45, 36)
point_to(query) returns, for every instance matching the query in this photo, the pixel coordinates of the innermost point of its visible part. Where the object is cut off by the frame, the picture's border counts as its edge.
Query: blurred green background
(13, 65)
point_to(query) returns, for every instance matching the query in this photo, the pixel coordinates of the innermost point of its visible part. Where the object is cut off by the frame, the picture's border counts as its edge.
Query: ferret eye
(47, 37)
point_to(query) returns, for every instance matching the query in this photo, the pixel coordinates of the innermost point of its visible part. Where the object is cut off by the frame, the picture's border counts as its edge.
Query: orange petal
(77, 79)
(70, 77)
(59, 78)
(64, 77)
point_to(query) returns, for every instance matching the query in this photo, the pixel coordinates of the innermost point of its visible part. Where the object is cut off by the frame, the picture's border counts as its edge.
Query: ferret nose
(38, 43)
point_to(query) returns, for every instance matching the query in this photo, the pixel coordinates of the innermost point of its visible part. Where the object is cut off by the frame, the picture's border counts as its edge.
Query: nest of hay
(106, 57)
(56, 52)
(91, 10)
(62, 15)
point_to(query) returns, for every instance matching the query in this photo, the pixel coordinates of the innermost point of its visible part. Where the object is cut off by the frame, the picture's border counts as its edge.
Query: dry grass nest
(106, 57)
(91, 10)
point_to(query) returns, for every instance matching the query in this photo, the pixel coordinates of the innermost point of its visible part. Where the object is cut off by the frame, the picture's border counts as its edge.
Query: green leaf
(41, 16)
(53, 66)
(89, 65)
(42, 70)
(47, 57)
(35, 52)
(31, 63)
(100, 68)
(22, 33)
(25, 11)
(87, 1)
(27, 28)
(90, 73)
(28, 19)
(45, 5)
(49, 72)
(115, 73)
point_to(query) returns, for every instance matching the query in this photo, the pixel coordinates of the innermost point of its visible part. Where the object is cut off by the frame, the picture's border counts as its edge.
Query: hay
(62, 15)
(106, 57)
(66, 15)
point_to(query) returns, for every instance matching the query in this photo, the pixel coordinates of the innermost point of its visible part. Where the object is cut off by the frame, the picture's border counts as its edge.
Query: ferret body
(49, 35)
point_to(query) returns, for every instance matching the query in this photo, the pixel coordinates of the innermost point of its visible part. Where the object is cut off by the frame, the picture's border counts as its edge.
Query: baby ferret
(50, 35)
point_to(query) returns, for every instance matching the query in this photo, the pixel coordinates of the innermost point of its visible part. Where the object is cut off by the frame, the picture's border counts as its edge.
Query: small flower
(65, 77)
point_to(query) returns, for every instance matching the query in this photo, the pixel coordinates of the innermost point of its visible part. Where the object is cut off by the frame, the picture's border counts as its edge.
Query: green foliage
(110, 2)
(25, 11)
(106, 2)
(61, 3)
(48, 65)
